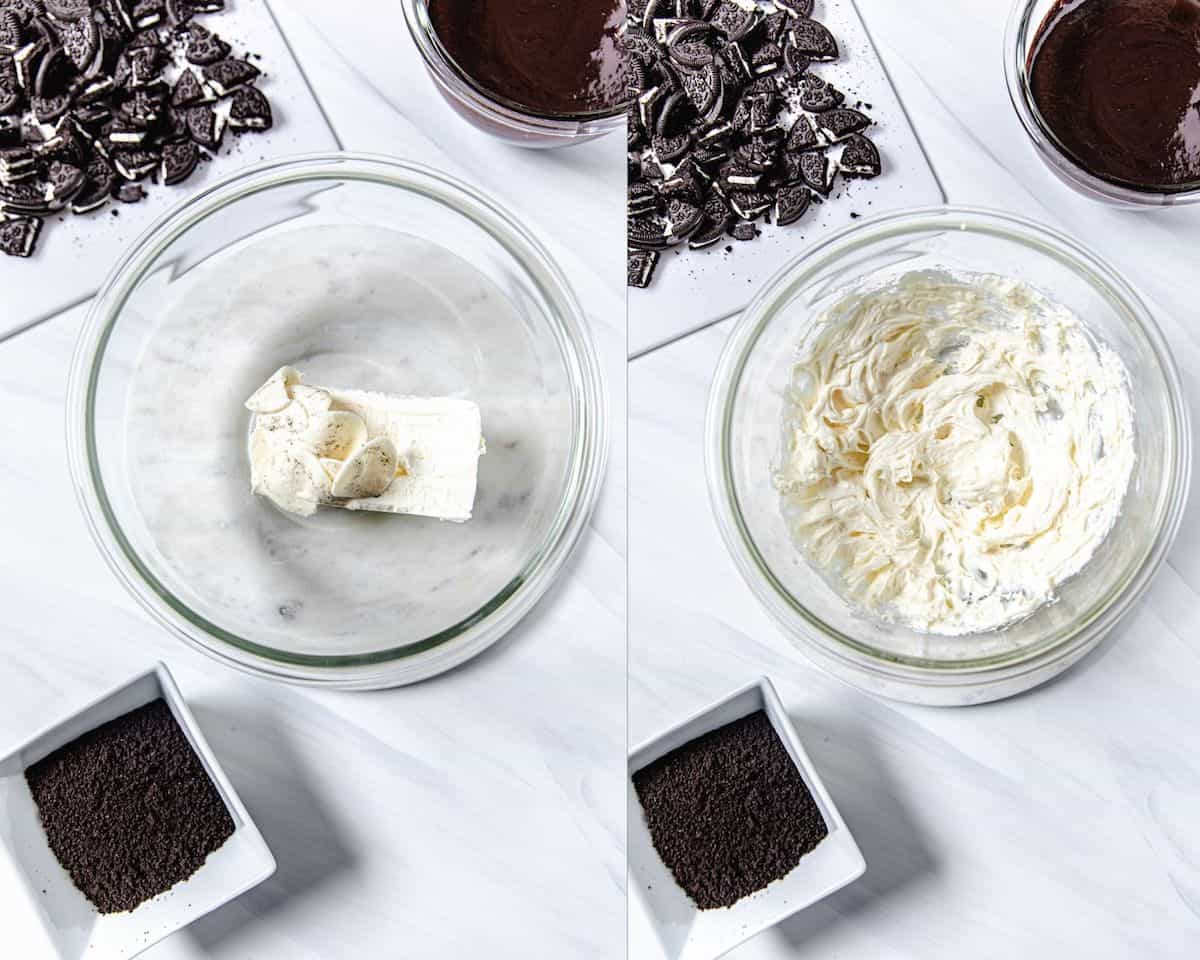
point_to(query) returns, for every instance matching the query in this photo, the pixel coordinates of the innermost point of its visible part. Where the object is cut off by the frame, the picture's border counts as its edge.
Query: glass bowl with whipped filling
(531, 74)
(948, 450)
(398, 321)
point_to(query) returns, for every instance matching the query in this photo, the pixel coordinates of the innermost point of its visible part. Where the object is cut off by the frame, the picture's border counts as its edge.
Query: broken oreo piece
(204, 48)
(19, 235)
(682, 219)
(148, 13)
(647, 233)
(796, 8)
(68, 9)
(815, 95)
(98, 184)
(802, 136)
(838, 124)
(791, 203)
(226, 76)
(66, 181)
(135, 164)
(641, 264)
(717, 218)
(813, 40)
(249, 111)
(179, 161)
(745, 230)
(80, 40)
(130, 193)
(189, 91)
(816, 171)
(204, 125)
(860, 158)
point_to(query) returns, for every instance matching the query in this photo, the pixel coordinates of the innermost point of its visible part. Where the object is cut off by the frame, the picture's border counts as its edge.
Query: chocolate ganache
(1117, 82)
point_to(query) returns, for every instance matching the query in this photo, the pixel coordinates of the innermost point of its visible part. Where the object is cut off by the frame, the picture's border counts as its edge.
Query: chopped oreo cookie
(641, 267)
(189, 91)
(97, 96)
(19, 235)
(817, 172)
(225, 76)
(860, 158)
(791, 203)
(816, 95)
(840, 123)
(179, 161)
(205, 126)
(728, 124)
(249, 110)
(205, 48)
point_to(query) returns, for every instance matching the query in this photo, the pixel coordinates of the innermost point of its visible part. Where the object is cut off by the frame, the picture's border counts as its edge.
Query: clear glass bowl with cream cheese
(365, 273)
(744, 441)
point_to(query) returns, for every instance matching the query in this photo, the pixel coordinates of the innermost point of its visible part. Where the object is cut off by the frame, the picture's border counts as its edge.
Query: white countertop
(481, 813)
(1062, 823)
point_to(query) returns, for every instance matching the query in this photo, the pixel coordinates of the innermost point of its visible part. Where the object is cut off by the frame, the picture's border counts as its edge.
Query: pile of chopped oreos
(727, 125)
(94, 101)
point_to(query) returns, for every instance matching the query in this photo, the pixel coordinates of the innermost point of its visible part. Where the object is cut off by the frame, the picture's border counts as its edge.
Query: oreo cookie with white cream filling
(739, 127)
(641, 264)
(249, 110)
(90, 103)
(179, 161)
(19, 235)
(226, 76)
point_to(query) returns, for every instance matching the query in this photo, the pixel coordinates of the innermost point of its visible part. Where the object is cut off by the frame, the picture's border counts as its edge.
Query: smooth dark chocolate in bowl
(1117, 83)
(550, 58)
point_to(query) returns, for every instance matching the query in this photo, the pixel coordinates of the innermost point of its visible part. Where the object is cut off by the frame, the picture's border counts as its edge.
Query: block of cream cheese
(359, 450)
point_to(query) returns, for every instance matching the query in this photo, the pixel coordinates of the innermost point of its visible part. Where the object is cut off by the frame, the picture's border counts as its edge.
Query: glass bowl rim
(455, 80)
(1016, 70)
(822, 639)
(454, 644)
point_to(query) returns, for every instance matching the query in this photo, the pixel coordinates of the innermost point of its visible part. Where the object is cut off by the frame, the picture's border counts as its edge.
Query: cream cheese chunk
(955, 447)
(313, 445)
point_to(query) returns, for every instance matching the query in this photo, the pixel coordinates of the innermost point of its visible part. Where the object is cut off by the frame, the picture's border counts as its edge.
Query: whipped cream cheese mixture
(955, 447)
(360, 450)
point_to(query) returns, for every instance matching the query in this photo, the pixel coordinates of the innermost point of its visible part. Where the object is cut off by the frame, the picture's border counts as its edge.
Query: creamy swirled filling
(955, 446)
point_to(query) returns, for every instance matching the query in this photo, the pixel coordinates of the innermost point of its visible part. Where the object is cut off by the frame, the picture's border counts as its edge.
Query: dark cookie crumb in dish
(729, 812)
(128, 808)
(728, 122)
(88, 109)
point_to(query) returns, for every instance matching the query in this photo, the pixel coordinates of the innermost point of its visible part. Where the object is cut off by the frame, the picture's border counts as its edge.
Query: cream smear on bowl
(955, 447)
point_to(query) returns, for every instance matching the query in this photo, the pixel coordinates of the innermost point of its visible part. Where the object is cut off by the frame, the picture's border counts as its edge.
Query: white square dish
(45, 913)
(681, 929)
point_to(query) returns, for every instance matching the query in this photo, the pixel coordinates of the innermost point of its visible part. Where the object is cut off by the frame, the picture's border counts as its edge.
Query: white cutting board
(75, 253)
(694, 288)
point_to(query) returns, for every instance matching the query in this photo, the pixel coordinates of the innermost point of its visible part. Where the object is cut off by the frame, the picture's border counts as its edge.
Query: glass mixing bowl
(363, 272)
(743, 443)
(485, 111)
(1020, 40)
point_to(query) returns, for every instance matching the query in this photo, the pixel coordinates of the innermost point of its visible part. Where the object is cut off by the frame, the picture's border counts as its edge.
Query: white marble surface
(481, 813)
(1062, 823)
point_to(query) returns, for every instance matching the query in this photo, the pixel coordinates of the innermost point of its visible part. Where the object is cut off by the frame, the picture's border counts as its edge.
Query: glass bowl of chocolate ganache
(1109, 93)
(535, 73)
